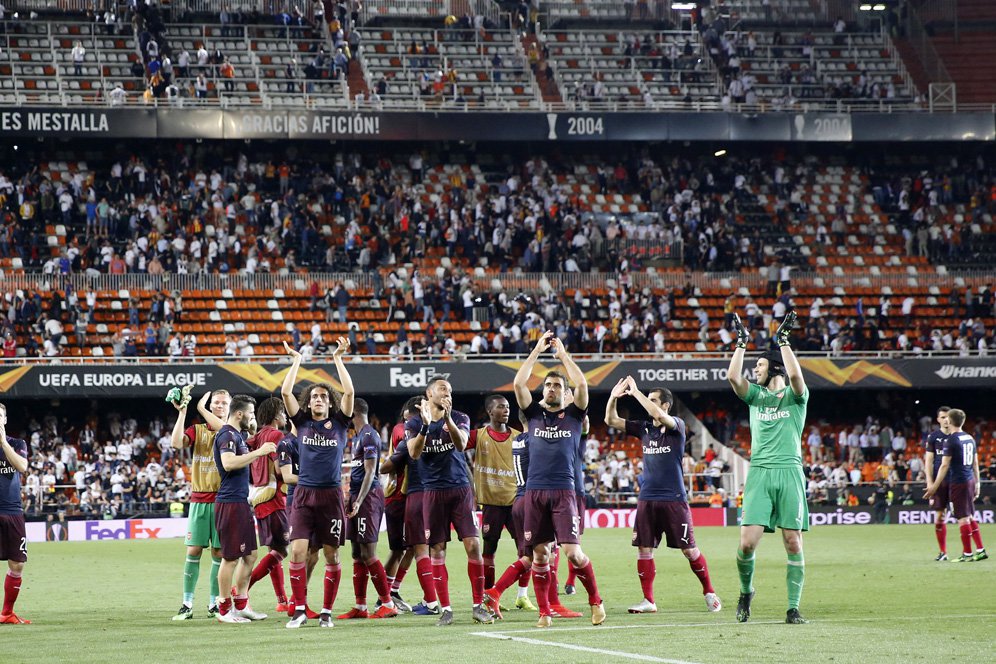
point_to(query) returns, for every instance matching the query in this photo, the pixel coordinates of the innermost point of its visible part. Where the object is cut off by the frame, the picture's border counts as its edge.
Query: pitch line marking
(555, 630)
(570, 646)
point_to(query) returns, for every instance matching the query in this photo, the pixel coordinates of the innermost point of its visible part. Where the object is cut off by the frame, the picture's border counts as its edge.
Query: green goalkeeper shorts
(775, 498)
(200, 526)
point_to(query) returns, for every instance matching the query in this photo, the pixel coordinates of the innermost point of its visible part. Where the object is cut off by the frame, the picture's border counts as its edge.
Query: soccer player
(318, 506)
(268, 496)
(233, 516)
(395, 498)
(662, 509)
(775, 491)
(13, 537)
(551, 511)
(437, 437)
(414, 532)
(960, 467)
(289, 460)
(494, 483)
(366, 510)
(204, 480)
(933, 455)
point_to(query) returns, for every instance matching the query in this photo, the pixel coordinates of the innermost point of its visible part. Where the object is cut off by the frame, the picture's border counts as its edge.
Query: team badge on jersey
(529, 535)
(328, 425)
(242, 548)
(427, 531)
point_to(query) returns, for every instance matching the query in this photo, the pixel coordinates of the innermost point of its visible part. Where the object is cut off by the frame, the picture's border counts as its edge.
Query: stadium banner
(78, 123)
(253, 123)
(135, 379)
(864, 515)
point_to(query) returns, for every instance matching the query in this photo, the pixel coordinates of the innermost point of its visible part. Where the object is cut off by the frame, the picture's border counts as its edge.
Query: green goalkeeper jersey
(776, 423)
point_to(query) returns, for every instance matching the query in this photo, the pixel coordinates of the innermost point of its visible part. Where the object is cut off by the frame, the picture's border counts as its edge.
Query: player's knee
(15, 566)
(691, 554)
(195, 551)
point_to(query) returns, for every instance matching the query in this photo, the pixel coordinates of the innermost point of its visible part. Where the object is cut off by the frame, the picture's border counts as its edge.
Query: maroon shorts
(318, 514)
(493, 519)
(551, 515)
(13, 539)
(235, 527)
(272, 530)
(518, 522)
(414, 528)
(443, 507)
(962, 496)
(313, 543)
(939, 501)
(394, 515)
(670, 518)
(582, 509)
(364, 528)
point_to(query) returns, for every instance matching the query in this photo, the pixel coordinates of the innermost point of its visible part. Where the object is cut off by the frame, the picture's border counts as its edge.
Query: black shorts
(318, 513)
(495, 518)
(414, 533)
(670, 520)
(518, 522)
(234, 524)
(364, 528)
(394, 515)
(13, 539)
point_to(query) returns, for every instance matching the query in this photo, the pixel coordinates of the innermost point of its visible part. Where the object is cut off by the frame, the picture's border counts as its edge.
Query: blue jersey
(961, 448)
(935, 443)
(366, 445)
(401, 459)
(520, 463)
(663, 450)
(234, 483)
(10, 479)
(321, 445)
(287, 455)
(554, 440)
(441, 465)
(579, 469)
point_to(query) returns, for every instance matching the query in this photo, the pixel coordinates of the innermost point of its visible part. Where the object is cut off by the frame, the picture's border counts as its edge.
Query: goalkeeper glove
(785, 329)
(743, 337)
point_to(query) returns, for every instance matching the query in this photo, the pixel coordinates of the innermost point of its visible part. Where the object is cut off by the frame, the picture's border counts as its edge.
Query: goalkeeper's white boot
(646, 606)
(250, 614)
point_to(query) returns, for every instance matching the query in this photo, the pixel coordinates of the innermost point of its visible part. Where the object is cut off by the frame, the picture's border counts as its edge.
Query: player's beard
(554, 405)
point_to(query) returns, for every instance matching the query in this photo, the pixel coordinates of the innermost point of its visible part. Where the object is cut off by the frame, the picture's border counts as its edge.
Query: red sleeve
(472, 440)
(259, 470)
(191, 433)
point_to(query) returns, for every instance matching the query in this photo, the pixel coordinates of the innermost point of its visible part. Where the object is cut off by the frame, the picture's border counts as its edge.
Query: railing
(428, 8)
(589, 9)
(507, 281)
(919, 39)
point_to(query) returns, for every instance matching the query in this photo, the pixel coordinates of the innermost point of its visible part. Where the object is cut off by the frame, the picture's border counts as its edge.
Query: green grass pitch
(873, 594)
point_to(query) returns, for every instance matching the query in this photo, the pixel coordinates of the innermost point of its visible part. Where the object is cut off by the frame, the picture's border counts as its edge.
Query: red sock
(441, 580)
(396, 585)
(224, 606)
(976, 535)
(553, 594)
(524, 576)
(333, 573)
(587, 577)
(299, 583)
(514, 572)
(701, 569)
(241, 602)
(423, 566)
(966, 538)
(647, 571)
(555, 559)
(379, 578)
(541, 586)
(263, 567)
(11, 587)
(571, 575)
(277, 579)
(360, 576)
(941, 531)
(489, 571)
(475, 571)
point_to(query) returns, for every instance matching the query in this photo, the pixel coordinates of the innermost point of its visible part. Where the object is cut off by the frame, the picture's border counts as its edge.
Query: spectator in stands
(78, 53)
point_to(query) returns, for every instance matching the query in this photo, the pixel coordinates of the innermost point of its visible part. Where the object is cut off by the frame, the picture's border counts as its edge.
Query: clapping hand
(621, 388)
(785, 329)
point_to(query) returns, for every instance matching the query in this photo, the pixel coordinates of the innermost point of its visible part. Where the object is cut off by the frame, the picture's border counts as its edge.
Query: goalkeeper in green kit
(775, 491)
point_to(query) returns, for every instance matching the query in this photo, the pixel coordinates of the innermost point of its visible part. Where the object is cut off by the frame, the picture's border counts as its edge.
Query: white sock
(522, 592)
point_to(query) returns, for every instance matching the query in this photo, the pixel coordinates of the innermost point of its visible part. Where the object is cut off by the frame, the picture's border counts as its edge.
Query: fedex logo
(133, 529)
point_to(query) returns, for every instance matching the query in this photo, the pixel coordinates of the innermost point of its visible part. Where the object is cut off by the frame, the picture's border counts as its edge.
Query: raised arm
(735, 372)
(348, 393)
(210, 418)
(655, 411)
(612, 418)
(290, 380)
(792, 369)
(521, 384)
(574, 373)
(176, 437)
